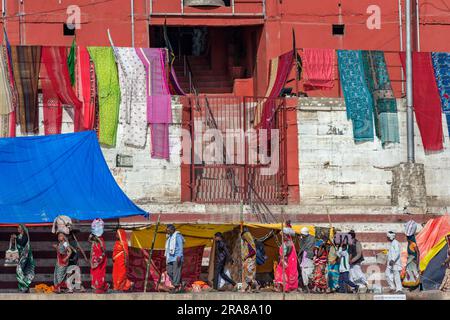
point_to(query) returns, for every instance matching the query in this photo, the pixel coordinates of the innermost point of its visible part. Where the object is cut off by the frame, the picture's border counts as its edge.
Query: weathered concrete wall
(150, 180)
(335, 170)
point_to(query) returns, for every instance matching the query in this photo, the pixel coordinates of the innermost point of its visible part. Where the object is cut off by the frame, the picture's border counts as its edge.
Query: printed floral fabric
(133, 106)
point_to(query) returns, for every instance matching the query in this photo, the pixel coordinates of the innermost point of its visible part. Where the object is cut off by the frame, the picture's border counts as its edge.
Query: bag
(12, 255)
(260, 253)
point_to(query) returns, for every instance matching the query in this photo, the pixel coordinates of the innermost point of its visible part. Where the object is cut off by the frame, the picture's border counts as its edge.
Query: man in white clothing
(394, 265)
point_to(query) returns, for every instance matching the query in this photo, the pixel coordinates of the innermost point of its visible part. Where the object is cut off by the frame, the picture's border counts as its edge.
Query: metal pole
(409, 92)
(151, 253)
(400, 25)
(417, 25)
(132, 22)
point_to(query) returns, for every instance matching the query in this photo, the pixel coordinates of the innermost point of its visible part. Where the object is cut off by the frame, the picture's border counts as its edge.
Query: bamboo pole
(283, 275)
(151, 253)
(241, 217)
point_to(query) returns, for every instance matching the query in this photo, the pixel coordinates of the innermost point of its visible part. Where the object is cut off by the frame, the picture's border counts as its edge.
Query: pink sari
(290, 270)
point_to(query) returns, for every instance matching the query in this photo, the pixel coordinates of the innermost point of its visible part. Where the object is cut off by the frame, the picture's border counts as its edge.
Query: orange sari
(120, 261)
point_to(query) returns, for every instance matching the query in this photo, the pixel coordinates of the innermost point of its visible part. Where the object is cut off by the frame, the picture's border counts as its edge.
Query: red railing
(237, 177)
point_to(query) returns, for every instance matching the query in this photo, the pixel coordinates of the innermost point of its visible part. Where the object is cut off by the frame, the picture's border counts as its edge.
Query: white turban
(304, 231)
(391, 235)
(410, 228)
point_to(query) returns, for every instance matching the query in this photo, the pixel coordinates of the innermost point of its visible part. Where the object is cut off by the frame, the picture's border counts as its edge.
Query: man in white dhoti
(394, 265)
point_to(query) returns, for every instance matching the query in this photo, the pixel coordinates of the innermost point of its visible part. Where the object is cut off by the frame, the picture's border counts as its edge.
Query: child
(344, 270)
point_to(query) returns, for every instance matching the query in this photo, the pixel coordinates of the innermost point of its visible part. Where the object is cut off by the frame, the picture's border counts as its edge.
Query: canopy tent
(432, 238)
(46, 176)
(201, 234)
(433, 251)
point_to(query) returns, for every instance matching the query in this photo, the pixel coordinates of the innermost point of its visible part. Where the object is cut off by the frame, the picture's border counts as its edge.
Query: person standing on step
(344, 270)
(174, 256)
(305, 257)
(98, 257)
(73, 277)
(222, 257)
(25, 267)
(394, 265)
(356, 258)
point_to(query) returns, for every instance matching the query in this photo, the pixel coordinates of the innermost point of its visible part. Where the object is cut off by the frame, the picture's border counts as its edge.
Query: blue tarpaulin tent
(42, 177)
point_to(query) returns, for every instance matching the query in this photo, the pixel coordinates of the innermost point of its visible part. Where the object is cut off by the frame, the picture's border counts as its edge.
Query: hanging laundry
(54, 60)
(280, 67)
(358, 100)
(159, 111)
(175, 88)
(86, 87)
(71, 62)
(385, 105)
(108, 93)
(426, 101)
(26, 64)
(6, 99)
(133, 105)
(318, 69)
(6, 56)
(441, 65)
(52, 106)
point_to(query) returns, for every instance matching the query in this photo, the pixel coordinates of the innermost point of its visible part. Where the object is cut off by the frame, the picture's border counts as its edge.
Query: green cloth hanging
(108, 93)
(71, 63)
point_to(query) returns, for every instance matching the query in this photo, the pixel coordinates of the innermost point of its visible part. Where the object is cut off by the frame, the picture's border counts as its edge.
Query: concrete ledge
(230, 296)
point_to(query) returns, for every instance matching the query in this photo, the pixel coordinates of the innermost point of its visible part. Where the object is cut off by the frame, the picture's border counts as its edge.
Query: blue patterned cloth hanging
(385, 105)
(441, 65)
(358, 99)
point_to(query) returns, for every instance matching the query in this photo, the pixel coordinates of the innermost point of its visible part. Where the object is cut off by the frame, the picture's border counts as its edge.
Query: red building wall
(42, 24)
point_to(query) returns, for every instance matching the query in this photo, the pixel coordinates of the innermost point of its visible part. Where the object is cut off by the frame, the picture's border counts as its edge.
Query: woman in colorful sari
(333, 267)
(319, 281)
(248, 252)
(25, 267)
(120, 263)
(98, 258)
(288, 265)
(63, 252)
(411, 278)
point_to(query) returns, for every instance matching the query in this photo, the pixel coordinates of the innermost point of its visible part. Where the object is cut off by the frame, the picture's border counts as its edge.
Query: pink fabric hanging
(85, 87)
(55, 62)
(427, 102)
(318, 69)
(159, 111)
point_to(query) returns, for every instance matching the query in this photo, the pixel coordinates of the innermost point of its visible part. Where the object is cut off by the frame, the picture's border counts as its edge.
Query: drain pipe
(409, 92)
(400, 26)
(132, 23)
(417, 26)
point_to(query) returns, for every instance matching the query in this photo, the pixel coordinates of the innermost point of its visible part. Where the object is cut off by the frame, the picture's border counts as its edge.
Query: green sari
(25, 268)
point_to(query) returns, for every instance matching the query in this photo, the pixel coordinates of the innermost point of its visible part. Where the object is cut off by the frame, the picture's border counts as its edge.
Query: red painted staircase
(207, 80)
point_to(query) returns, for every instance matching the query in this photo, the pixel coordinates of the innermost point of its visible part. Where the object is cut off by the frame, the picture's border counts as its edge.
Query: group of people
(318, 265)
(67, 274)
